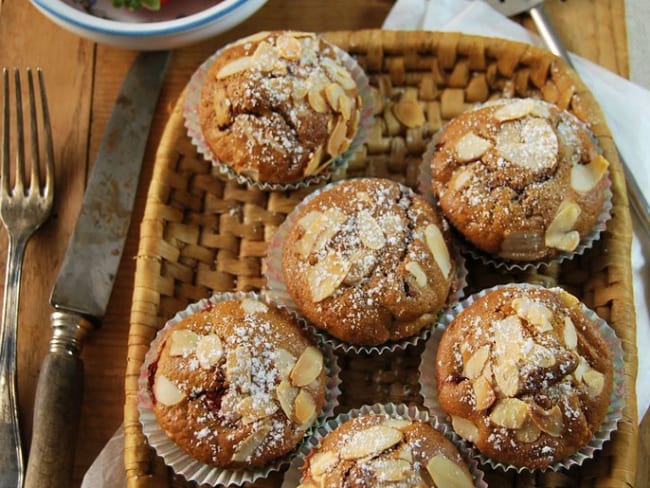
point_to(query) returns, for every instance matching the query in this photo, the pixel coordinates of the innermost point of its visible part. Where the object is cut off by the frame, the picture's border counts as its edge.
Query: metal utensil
(23, 209)
(85, 281)
(536, 10)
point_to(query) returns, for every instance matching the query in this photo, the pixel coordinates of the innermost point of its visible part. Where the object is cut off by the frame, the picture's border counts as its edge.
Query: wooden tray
(202, 234)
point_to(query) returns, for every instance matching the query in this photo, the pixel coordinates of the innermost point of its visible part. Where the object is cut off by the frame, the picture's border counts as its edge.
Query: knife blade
(85, 281)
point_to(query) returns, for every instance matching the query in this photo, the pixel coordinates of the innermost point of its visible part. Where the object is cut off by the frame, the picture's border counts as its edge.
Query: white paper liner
(276, 291)
(425, 188)
(180, 461)
(366, 118)
(401, 411)
(429, 392)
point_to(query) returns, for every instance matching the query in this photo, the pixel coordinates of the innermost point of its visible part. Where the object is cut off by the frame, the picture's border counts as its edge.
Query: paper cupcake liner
(293, 475)
(429, 392)
(190, 112)
(180, 461)
(425, 188)
(276, 290)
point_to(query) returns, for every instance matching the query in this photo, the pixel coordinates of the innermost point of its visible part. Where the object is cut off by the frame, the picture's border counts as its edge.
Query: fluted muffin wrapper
(425, 187)
(293, 475)
(192, 99)
(276, 291)
(183, 463)
(429, 392)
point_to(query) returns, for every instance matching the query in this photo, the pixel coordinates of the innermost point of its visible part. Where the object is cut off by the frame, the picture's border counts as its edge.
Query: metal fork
(23, 209)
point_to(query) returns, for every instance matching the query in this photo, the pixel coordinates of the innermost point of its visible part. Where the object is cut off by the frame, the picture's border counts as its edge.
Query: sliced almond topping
(265, 57)
(510, 413)
(238, 367)
(483, 393)
(461, 177)
(182, 342)
(531, 144)
(559, 234)
(308, 367)
(299, 91)
(286, 395)
(346, 105)
(534, 312)
(363, 262)
(251, 306)
(222, 107)
(166, 392)
(334, 218)
(474, 365)
(284, 362)
(464, 428)
(289, 47)
(514, 110)
(251, 410)
(418, 273)
(236, 66)
(333, 92)
(317, 100)
(595, 381)
(313, 166)
(542, 356)
(405, 452)
(529, 432)
(507, 377)
(398, 424)
(569, 333)
(581, 369)
(508, 339)
(391, 470)
(409, 112)
(447, 474)
(304, 409)
(337, 143)
(209, 350)
(370, 442)
(584, 177)
(471, 147)
(369, 231)
(339, 74)
(549, 421)
(436, 243)
(321, 462)
(247, 447)
(319, 229)
(325, 276)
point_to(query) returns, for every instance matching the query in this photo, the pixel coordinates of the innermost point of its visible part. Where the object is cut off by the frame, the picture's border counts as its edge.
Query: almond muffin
(525, 375)
(278, 107)
(236, 385)
(368, 261)
(520, 179)
(382, 451)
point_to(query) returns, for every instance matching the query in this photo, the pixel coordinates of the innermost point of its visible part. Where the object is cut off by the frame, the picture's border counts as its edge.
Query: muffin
(368, 261)
(278, 107)
(236, 384)
(525, 374)
(382, 451)
(520, 179)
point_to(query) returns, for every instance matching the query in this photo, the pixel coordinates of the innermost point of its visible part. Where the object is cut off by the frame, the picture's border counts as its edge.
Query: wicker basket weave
(202, 234)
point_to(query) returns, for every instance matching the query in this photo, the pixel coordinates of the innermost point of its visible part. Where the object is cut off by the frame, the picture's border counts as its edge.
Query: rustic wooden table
(82, 82)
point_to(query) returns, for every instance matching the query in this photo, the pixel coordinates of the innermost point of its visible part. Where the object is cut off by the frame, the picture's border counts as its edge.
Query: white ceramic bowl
(177, 24)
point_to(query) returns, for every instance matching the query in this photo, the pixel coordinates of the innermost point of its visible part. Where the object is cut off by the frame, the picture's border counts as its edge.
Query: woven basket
(202, 234)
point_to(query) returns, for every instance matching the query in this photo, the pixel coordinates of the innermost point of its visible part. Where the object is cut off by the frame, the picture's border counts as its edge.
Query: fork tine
(49, 147)
(34, 176)
(4, 169)
(19, 186)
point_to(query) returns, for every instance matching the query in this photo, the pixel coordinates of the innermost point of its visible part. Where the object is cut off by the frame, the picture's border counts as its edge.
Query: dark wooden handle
(56, 419)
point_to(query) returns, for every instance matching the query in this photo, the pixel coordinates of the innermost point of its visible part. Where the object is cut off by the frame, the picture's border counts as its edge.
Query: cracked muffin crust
(279, 106)
(520, 179)
(368, 261)
(237, 385)
(525, 375)
(382, 451)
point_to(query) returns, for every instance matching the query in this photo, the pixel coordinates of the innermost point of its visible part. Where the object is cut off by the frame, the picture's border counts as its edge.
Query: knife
(85, 281)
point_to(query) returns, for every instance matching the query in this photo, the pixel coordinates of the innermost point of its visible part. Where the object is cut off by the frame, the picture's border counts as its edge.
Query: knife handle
(58, 404)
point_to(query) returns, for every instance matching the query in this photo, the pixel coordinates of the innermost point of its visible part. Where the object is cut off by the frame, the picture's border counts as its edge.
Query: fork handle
(11, 454)
(57, 405)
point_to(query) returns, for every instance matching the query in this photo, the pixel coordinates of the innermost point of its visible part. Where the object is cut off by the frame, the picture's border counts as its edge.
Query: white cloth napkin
(622, 101)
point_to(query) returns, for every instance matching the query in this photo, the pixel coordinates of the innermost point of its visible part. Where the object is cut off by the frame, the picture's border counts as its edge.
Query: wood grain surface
(82, 81)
